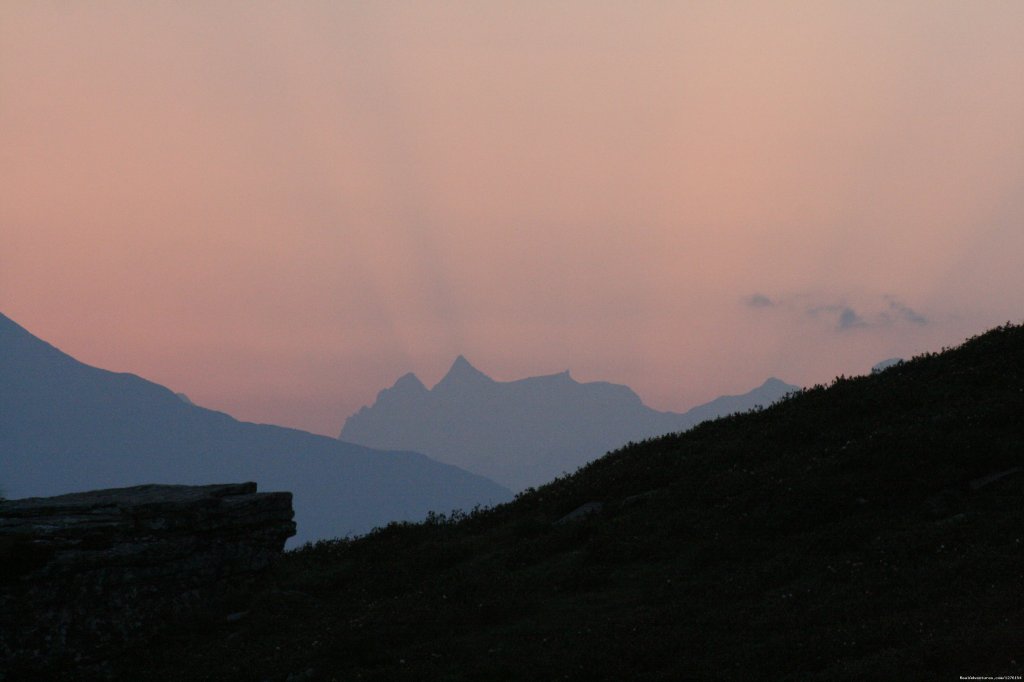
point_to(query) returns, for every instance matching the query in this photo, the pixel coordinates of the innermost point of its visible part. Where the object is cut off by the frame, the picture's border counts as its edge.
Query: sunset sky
(280, 207)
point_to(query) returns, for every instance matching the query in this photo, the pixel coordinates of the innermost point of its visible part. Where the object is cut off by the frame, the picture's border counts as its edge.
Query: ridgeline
(870, 529)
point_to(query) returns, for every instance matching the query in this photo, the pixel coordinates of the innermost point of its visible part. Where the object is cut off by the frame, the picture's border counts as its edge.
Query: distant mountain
(66, 426)
(885, 364)
(524, 433)
(871, 530)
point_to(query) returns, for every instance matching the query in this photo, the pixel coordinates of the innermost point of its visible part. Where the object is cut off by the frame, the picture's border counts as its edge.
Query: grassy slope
(833, 536)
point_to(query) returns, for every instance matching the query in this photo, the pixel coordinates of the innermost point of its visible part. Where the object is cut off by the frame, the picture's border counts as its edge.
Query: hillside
(67, 427)
(526, 432)
(868, 530)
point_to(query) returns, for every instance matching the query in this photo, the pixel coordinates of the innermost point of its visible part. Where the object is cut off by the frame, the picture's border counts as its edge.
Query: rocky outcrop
(82, 574)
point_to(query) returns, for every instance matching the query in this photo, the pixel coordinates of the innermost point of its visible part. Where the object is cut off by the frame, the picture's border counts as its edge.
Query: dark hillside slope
(869, 530)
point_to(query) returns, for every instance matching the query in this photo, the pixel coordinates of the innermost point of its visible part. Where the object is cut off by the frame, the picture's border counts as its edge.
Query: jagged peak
(461, 363)
(409, 382)
(461, 372)
(407, 386)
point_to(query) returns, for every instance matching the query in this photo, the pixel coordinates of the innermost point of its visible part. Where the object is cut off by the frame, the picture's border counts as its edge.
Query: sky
(280, 208)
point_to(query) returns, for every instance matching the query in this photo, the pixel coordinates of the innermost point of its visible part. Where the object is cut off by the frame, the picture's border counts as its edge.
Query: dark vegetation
(846, 533)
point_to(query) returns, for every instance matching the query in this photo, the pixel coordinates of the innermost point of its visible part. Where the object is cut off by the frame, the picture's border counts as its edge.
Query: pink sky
(279, 208)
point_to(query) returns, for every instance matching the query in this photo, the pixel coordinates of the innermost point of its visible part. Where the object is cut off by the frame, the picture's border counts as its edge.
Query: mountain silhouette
(867, 530)
(524, 433)
(885, 364)
(66, 426)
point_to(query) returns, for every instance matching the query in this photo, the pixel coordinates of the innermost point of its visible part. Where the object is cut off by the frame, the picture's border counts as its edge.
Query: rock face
(82, 574)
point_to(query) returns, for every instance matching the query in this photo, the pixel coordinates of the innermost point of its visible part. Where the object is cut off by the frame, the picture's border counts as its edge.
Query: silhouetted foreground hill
(526, 432)
(68, 427)
(869, 530)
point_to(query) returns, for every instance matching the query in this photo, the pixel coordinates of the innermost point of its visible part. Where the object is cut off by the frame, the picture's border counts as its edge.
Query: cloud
(906, 313)
(758, 301)
(849, 319)
(843, 315)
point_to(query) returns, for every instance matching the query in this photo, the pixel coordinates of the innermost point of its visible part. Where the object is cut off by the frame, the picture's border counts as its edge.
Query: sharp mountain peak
(409, 382)
(461, 372)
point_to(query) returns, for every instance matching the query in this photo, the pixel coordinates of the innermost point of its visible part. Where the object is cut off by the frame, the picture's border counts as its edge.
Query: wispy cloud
(841, 316)
(758, 301)
(849, 319)
(906, 313)
(840, 313)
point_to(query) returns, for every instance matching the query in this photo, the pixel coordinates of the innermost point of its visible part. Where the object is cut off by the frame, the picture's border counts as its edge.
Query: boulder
(83, 574)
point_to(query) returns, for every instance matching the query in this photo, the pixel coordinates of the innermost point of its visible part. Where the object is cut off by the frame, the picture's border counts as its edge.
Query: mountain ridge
(524, 432)
(867, 529)
(66, 426)
(462, 372)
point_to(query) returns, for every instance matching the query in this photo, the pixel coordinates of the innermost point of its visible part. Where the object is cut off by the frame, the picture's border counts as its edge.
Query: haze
(279, 208)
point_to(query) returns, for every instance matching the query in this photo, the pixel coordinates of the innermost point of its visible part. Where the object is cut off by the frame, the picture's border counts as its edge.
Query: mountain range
(66, 426)
(525, 433)
(867, 530)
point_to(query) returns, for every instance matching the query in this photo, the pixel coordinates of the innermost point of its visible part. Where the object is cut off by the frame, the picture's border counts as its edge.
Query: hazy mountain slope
(856, 532)
(66, 426)
(527, 432)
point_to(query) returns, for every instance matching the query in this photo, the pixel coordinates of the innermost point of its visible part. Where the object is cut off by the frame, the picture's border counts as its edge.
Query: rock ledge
(85, 573)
